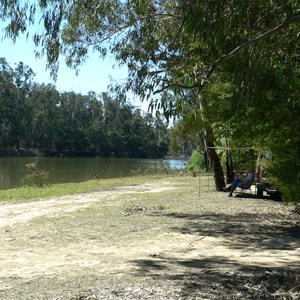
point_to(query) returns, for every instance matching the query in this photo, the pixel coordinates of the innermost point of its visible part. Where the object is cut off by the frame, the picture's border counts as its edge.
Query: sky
(94, 75)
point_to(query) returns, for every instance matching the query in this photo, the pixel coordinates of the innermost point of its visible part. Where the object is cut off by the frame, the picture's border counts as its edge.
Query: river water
(62, 170)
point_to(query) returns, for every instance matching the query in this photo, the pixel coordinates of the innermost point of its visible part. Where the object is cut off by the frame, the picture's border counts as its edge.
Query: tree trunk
(215, 162)
(229, 165)
(212, 154)
(229, 168)
(206, 161)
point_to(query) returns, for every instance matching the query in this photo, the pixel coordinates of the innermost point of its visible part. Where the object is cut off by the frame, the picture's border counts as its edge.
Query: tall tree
(95, 132)
(16, 85)
(8, 94)
(40, 115)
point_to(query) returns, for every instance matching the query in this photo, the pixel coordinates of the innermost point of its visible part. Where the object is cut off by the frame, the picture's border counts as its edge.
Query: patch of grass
(26, 193)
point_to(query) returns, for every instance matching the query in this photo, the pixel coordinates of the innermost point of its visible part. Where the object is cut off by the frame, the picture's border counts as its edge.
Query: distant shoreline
(37, 153)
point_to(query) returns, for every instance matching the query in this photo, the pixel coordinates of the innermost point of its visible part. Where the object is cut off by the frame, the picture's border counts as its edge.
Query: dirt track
(140, 242)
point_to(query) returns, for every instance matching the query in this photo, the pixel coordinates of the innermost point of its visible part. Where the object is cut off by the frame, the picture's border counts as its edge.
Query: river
(62, 170)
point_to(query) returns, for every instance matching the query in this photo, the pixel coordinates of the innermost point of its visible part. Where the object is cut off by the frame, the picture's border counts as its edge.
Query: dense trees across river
(37, 116)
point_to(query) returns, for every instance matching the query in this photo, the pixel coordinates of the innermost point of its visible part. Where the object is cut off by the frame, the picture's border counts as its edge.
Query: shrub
(196, 162)
(35, 176)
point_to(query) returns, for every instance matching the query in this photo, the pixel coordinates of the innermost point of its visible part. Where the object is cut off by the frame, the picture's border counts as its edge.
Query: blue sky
(94, 75)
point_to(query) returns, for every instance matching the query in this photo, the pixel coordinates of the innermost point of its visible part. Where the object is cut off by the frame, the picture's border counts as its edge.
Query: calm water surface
(13, 170)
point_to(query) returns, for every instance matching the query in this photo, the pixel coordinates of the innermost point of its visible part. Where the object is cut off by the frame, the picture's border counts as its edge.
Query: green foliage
(196, 162)
(184, 137)
(285, 165)
(51, 122)
(290, 191)
(243, 159)
(35, 176)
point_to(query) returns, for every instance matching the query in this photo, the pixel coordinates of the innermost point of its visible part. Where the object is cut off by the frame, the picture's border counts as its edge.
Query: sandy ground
(32, 251)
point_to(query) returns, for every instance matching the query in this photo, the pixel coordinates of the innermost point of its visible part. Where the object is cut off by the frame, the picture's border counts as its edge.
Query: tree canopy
(37, 117)
(233, 65)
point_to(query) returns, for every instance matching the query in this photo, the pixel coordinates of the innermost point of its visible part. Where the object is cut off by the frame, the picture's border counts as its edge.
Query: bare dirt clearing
(159, 240)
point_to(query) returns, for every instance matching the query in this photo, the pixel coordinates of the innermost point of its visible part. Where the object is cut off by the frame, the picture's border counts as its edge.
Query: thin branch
(115, 30)
(176, 85)
(179, 30)
(232, 53)
(231, 148)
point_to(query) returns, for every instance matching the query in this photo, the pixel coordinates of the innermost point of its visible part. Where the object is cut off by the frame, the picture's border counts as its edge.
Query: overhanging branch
(226, 57)
(265, 35)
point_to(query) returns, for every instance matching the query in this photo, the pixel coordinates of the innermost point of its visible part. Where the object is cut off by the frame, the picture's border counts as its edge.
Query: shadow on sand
(221, 277)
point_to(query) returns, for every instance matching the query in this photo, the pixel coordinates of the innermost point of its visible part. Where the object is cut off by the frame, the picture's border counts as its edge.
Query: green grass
(26, 193)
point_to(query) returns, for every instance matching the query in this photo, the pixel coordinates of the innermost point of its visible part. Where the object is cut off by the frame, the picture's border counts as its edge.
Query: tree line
(40, 118)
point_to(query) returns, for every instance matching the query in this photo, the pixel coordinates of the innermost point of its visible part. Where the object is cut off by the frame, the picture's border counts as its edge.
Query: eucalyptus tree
(162, 135)
(173, 48)
(253, 98)
(130, 133)
(16, 85)
(40, 116)
(7, 105)
(23, 81)
(72, 121)
(148, 136)
(95, 132)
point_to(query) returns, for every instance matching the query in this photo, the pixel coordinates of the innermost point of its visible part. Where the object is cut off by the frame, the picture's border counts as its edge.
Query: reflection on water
(13, 169)
(176, 163)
